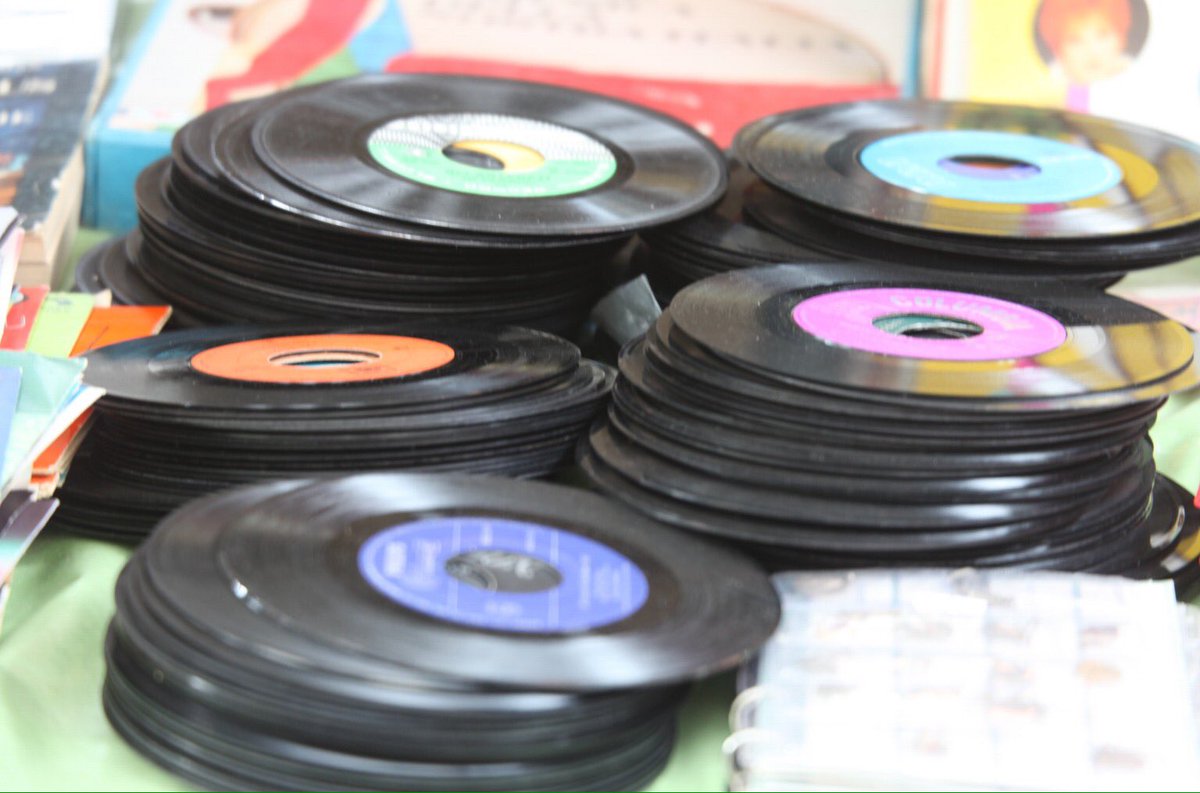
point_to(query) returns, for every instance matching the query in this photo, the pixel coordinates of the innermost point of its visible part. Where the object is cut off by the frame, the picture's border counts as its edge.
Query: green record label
(492, 155)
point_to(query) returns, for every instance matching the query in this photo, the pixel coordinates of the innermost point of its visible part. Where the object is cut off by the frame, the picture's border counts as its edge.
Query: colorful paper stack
(44, 404)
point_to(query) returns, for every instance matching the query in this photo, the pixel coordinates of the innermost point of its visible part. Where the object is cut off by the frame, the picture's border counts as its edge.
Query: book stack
(51, 72)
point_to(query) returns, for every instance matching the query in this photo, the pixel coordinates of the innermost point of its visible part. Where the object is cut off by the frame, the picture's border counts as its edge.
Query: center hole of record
(927, 326)
(324, 358)
(503, 571)
(982, 166)
(495, 155)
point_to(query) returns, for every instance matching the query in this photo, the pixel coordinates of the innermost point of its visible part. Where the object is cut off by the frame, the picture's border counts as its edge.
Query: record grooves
(189, 412)
(363, 215)
(220, 670)
(960, 187)
(786, 409)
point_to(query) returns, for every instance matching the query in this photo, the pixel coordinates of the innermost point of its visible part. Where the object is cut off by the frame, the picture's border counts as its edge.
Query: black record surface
(747, 317)
(158, 370)
(190, 412)
(220, 670)
(816, 155)
(716, 240)
(318, 140)
(265, 212)
(887, 427)
(1173, 545)
(797, 222)
(295, 555)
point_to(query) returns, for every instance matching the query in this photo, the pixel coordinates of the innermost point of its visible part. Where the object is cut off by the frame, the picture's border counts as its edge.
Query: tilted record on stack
(855, 415)
(974, 187)
(420, 632)
(193, 411)
(408, 196)
(717, 240)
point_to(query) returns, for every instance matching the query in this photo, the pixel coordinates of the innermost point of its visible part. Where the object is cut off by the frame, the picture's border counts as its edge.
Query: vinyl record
(508, 583)
(979, 169)
(885, 330)
(87, 270)
(331, 366)
(114, 272)
(215, 169)
(857, 415)
(190, 412)
(247, 222)
(1173, 548)
(792, 220)
(716, 240)
(439, 150)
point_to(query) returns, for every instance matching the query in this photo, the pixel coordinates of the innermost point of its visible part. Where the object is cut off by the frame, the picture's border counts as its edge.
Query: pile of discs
(855, 415)
(189, 412)
(960, 187)
(418, 632)
(403, 196)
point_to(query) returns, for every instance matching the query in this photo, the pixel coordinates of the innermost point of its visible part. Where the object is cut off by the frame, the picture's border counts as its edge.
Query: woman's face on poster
(1092, 49)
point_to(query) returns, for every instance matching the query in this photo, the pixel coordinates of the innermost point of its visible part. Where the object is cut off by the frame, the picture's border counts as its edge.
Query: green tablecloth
(53, 734)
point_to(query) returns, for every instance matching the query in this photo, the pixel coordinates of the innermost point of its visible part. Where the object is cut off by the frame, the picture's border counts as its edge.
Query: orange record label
(323, 358)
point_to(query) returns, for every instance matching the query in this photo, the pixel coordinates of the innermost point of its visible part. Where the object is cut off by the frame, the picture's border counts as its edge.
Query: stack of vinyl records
(189, 412)
(956, 186)
(416, 632)
(403, 196)
(854, 415)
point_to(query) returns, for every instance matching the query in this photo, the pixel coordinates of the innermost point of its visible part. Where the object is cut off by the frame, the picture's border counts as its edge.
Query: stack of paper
(50, 397)
(62, 325)
(44, 404)
(1003, 679)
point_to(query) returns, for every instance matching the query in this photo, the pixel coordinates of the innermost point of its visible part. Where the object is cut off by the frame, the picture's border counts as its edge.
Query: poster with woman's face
(1090, 41)
(1135, 60)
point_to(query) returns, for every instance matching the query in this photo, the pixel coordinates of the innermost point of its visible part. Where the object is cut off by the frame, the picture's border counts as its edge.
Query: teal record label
(488, 154)
(1011, 168)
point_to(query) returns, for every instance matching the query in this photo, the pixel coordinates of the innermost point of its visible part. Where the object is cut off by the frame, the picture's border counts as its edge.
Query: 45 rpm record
(190, 412)
(488, 155)
(491, 581)
(979, 169)
(882, 331)
(302, 367)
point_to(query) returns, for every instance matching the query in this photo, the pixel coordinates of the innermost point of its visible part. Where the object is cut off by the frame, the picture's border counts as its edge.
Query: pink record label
(877, 320)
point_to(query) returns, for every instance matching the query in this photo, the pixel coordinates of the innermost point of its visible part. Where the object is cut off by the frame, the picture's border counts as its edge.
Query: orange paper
(120, 323)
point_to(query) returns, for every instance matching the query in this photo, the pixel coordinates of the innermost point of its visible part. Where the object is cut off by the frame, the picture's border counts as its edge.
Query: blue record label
(502, 574)
(991, 167)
